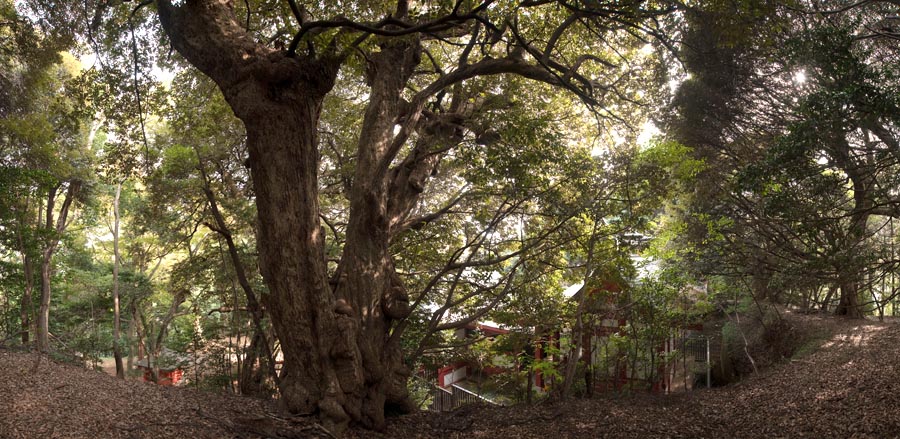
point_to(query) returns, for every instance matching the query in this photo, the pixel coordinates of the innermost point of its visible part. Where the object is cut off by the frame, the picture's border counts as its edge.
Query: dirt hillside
(848, 387)
(41, 399)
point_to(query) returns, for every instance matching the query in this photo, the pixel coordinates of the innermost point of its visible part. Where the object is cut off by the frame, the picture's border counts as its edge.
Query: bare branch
(420, 221)
(298, 11)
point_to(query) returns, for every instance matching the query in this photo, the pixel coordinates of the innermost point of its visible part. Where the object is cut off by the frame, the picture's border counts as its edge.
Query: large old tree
(275, 63)
(797, 123)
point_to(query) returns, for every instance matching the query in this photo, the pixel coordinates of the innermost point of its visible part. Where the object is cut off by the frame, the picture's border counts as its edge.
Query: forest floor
(848, 386)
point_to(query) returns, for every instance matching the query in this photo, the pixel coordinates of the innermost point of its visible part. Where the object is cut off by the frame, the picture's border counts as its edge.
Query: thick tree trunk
(284, 164)
(367, 282)
(850, 273)
(849, 303)
(849, 276)
(340, 361)
(279, 99)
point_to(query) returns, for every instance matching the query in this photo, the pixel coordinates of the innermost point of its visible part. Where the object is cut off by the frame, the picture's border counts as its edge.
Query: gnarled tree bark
(339, 335)
(339, 363)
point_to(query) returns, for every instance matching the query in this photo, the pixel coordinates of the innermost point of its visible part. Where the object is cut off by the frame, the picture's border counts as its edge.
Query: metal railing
(444, 400)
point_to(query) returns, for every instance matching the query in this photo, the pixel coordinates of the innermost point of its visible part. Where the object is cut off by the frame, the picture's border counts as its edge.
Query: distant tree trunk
(129, 362)
(827, 300)
(759, 283)
(156, 344)
(137, 328)
(809, 296)
(529, 386)
(588, 360)
(578, 329)
(248, 380)
(44, 310)
(117, 348)
(55, 231)
(574, 356)
(737, 320)
(253, 305)
(25, 221)
(27, 304)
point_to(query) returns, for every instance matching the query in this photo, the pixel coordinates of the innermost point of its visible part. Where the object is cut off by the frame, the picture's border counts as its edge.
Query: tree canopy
(312, 196)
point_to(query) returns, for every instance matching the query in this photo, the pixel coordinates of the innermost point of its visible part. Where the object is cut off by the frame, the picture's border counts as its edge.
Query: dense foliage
(312, 200)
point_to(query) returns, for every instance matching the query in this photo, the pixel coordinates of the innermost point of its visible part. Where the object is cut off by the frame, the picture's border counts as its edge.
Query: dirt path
(108, 365)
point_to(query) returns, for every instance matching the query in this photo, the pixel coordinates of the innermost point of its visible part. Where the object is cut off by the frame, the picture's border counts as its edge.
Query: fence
(676, 364)
(697, 348)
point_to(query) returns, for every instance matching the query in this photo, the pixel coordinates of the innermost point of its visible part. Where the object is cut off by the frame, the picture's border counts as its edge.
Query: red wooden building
(607, 369)
(168, 375)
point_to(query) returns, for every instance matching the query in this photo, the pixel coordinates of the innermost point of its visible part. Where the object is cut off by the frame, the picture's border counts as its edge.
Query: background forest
(304, 200)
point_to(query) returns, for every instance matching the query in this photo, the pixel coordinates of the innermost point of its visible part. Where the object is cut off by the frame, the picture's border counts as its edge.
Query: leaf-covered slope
(847, 388)
(43, 399)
